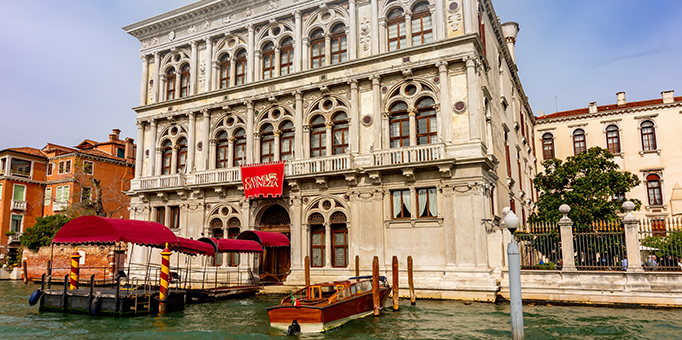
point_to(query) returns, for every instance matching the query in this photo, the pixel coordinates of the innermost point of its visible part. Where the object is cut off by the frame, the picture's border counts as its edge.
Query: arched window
(240, 68)
(184, 81)
(340, 134)
(286, 141)
(339, 240)
(318, 137)
(316, 223)
(547, 146)
(317, 50)
(648, 136)
(239, 148)
(612, 139)
(339, 45)
(286, 57)
(579, 144)
(221, 150)
(268, 60)
(399, 125)
(396, 30)
(653, 186)
(170, 84)
(224, 71)
(166, 158)
(426, 122)
(182, 155)
(267, 140)
(422, 30)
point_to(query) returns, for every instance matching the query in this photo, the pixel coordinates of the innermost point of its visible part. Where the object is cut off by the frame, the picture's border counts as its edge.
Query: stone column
(193, 69)
(174, 160)
(437, 21)
(631, 225)
(212, 154)
(298, 126)
(256, 147)
(328, 49)
(469, 11)
(162, 87)
(354, 137)
(376, 100)
(250, 55)
(158, 156)
(306, 54)
(475, 121)
(191, 144)
(566, 229)
(382, 37)
(230, 152)
(143, 85)
(306, 141)
(233, 71)
(249, 132)
(444, 117)
(178, 78)
(275, 148)
(408, 29)
(206, 127)
(297, 41)
(327, 245)
(412, 114)
(353, 35)
(156, 85)
(328, 144)
(386, 130)
(375, 26)
(139, 154)
(278, 63)
(209, 59)
(152, 148)
(215, 69)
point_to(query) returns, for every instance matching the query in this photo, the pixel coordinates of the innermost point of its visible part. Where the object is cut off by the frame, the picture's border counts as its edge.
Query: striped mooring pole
(75, 257)
(165, 271)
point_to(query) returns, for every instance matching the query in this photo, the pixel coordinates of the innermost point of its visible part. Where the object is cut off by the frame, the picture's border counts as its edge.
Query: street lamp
(511, 222)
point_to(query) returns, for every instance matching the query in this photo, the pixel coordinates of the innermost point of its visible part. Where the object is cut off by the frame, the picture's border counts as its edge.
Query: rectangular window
(20, 167)
(428, 206)
(62, 194)
(48, 196)
(3, 163)
(49, 169)
(15, 225)
(161, 215)
(19, 192)
(317, 246)
(86, 195)
(400, 204)
(1, 192)
(65, 167)
(121, 153)
(87, 167)
(175, 217)
(340, 245)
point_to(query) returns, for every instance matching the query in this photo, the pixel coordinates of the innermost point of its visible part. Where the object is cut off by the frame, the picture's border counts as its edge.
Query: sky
(72, 73)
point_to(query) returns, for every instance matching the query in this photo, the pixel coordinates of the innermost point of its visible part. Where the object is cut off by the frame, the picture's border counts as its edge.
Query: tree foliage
(590, 183)
(43, 231)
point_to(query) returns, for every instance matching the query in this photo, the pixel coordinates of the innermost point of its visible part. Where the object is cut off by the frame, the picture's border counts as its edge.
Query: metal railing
(600, 246)
(661, 244)
(539, 246)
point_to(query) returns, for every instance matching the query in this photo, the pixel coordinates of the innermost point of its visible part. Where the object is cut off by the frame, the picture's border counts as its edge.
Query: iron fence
(600, 246)
(539, 246)
(661, 244)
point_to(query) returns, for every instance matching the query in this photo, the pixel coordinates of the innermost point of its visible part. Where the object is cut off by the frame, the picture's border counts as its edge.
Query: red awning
(242, 246)
(193, 247)
(265, 238)
(102, 230)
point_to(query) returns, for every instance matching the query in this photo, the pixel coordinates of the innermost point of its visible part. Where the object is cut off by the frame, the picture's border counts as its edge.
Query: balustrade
(410, 154)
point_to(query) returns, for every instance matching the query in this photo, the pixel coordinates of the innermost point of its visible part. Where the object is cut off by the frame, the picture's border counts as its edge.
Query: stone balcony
(311, 167)
(59, 206)
(13, 238)
(18, 205)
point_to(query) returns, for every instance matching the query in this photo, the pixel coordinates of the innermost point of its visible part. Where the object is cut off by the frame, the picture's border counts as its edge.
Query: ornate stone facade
(398, 122)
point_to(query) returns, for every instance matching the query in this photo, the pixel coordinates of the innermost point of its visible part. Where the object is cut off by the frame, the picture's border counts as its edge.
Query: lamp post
(511, 222)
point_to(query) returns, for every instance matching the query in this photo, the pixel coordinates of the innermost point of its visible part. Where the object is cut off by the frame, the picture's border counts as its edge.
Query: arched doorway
(276, 261)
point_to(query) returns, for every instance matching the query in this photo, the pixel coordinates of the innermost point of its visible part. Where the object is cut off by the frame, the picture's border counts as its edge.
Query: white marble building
(400, 123)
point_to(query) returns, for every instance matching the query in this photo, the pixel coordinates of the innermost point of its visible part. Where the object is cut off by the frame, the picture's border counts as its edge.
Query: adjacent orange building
(41, 182)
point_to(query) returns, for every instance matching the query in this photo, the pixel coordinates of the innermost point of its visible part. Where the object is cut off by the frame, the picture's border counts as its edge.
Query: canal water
(247, 319)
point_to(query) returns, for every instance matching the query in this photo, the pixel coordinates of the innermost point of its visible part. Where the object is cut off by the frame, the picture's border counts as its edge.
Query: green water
(247, 319)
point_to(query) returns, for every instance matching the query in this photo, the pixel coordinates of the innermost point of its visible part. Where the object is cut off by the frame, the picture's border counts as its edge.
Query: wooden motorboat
(321, 307)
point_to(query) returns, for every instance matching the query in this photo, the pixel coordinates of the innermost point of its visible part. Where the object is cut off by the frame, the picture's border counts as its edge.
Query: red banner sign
(264, 179)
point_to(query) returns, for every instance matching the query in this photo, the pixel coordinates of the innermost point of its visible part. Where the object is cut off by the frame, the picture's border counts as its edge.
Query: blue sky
(72, 73)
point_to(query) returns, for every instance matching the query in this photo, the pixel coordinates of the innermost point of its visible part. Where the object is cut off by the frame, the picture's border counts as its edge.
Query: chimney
(668, 96)
(593, 107)
(114, 135)
(510, 30)
(541, 113)
(130, 150)
(621, 98)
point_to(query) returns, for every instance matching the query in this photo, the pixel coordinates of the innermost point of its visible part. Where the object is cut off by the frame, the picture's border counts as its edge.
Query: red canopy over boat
(189, 246)
(265, 238)
(103, 230)
(223, 245)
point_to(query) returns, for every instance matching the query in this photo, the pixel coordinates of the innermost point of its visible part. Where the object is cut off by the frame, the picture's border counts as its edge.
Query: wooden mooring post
(396, 276)
(410, 281)
(25, 272)
(307, 270)
(357, 265)
(375, 286)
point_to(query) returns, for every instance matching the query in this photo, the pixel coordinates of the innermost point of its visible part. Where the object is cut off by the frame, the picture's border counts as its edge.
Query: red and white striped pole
(75, 257)
(165, 273)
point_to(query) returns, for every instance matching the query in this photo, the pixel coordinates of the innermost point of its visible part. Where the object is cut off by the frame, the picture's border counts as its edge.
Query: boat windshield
(349, 291)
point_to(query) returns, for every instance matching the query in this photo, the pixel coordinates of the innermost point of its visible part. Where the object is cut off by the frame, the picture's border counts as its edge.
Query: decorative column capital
(213, 141)
(250, 27)
(205, 113)
(249, 104)
(412, 112)
(375, 78)
(208, 40)
(297, 14)
(306, 128)
(353, 82)
(442, 66)
(256, 135)
(297, 94)
(385, 115)
(329, 125)
(152, 122)
(277, 133)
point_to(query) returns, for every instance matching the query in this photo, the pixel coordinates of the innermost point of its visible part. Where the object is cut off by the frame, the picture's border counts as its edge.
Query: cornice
(599, 114)
(92, 157)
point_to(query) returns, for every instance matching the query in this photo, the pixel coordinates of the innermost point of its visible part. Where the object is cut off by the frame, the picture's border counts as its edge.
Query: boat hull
(315, 319)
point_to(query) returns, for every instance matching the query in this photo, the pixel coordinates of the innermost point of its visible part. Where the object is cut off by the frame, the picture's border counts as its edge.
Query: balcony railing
(13, 238)
(411, 154)
(165, 181)
(18, 205)
(319, 164)
(218, 176)
(59, 206)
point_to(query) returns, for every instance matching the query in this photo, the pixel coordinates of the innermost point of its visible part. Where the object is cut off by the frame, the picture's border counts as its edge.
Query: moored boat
(323, 306)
